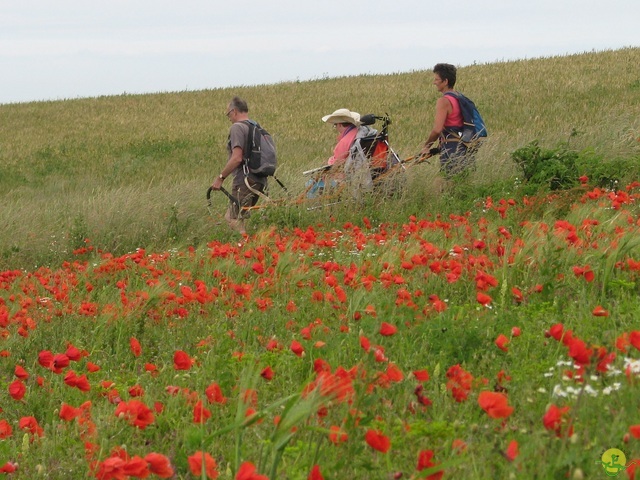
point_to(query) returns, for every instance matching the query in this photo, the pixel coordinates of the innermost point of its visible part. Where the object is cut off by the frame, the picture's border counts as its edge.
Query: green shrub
(553, 169)
(560, 168)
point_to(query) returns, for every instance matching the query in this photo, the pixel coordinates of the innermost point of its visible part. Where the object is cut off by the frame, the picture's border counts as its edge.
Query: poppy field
(500, 342)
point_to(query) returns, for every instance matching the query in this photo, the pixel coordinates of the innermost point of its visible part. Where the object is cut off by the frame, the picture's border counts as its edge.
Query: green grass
(120, 181)
(227, 333)
(132, 169)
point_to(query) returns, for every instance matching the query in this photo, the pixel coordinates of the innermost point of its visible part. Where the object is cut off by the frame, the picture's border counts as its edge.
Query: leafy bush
(560, 168)
(553, 169)
(608, 174)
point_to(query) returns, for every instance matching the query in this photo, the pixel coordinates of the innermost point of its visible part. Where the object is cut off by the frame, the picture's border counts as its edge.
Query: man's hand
(217, 183)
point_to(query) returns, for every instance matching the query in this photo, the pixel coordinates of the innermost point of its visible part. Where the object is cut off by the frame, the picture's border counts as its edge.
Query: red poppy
(214, 394)
(483, 298)
(437, 304)
(45, 358)
(31, 425)
(80, 382)
(585, 272)
(495, 404)
(459, 382)
(512, 451)
(17, 389)
(291, 306)
(159, 465)
(634, 339)
(267, 373)
(377, 440)
(201, 462)
(321, 365)
(501, 342)
(136, 467)
(92, 367)
(598, 311)
(515, 331)
(136, 413)
(425, 460)
(74, 354)
(68, 413)
(579, 352)
(247, 471)
(459, 445)
(365, 343)
(394, 373)
(20, 372)
(370, 310)
(135, 347)
(200, 413)
(181, 360)
(421, 375)
(517, 295)
(337, 435)
(297, 348)
(111, 468)
(60, 362)
(315, 474)
(258, 268)
(273, 345)
(635, 431)
(556, 331)
(136, 391)
(387, 330)
(5, 429)
(554, 419)
(8, 467)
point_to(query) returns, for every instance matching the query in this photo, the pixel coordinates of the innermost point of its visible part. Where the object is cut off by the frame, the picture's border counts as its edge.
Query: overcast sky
(65, 49)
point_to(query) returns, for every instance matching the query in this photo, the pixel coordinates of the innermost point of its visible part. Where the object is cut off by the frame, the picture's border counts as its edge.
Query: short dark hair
(446, 71)
(239, 104)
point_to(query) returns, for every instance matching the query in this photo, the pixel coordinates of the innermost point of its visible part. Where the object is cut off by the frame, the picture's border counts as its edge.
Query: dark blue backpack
(473, 127)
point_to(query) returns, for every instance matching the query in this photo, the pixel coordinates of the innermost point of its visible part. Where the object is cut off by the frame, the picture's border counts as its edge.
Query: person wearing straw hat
(346, 124)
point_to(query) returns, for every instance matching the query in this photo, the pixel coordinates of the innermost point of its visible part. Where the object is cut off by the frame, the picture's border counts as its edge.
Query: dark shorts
(246, 198)
(455, 156)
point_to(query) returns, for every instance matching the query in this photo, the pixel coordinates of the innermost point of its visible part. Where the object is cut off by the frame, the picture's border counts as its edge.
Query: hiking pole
(323, 168)
(223, 190)
(280, 183)
(324, 205)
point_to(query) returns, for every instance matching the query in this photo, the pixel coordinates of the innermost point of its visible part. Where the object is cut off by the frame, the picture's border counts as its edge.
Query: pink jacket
(341, 152)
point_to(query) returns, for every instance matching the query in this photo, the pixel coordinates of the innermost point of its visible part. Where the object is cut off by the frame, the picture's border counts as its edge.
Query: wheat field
(131, 171)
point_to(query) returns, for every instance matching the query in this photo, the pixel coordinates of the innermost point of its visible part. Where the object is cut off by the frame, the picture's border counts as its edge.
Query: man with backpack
(247, 186)
(458, 126)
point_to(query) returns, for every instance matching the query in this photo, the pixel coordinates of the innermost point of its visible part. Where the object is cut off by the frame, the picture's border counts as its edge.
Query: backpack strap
(248, 147)
(246, 153)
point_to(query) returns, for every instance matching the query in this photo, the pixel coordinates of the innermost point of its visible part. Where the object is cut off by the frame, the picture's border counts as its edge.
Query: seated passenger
(347, 125)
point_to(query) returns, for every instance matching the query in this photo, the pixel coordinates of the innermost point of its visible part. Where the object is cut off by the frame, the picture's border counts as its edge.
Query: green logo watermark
(614, 461)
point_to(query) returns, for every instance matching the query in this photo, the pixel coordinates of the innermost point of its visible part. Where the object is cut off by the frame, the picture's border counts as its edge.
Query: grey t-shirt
(238, 134)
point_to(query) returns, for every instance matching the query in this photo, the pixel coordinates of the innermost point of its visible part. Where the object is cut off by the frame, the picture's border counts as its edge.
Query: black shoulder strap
(250, 138)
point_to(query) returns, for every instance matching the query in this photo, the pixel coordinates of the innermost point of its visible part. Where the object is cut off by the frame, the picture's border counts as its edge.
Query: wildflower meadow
(488, 331)
(482, 345)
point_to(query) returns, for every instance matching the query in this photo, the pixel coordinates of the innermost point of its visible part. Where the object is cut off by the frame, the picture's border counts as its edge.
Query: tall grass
(131, 170)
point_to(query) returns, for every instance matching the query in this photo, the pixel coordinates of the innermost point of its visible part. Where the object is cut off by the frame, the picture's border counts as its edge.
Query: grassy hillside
(131, 170)
(475, 333)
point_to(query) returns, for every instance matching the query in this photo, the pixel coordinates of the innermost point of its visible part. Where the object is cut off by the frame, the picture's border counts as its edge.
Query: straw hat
(342, 115)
